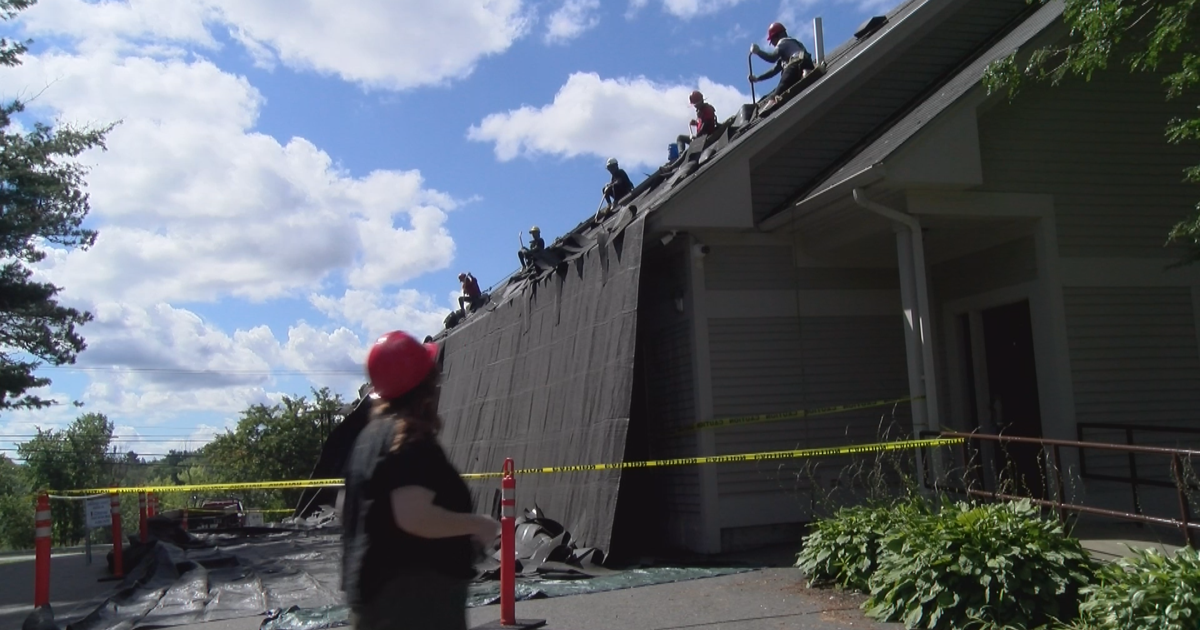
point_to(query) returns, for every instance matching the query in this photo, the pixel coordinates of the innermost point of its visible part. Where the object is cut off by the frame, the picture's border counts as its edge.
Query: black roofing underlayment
(545, 377)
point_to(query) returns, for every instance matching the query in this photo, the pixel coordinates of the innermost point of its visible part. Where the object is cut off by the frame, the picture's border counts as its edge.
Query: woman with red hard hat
(409, 533)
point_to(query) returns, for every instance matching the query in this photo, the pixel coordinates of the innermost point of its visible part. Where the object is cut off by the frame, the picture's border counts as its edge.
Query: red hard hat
(462, 276)
(775, 31)
(696, 97)
(398, 362)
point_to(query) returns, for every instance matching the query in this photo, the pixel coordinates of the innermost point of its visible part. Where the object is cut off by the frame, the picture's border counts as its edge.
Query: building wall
(781, 338)
(1099, 150)
(665, 400)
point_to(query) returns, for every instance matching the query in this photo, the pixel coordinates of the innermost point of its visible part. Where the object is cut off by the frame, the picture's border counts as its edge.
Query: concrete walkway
(75, 589)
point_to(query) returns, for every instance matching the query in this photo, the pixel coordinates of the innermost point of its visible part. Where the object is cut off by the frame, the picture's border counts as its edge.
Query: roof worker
(471, 295)
(619, 185)
(704, 123)
(706, 115)
(408, 527)
(789, 56)
(536, 245)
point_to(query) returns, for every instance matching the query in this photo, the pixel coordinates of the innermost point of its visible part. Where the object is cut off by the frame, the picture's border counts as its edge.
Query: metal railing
(973, 482)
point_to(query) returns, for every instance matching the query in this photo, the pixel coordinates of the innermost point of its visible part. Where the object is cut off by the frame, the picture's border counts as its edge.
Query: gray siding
(1099, 148)
(766, 365)
(1134, 360)
(746, 268)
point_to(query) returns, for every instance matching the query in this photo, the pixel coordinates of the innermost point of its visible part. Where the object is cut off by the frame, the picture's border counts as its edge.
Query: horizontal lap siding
(769, 365)
(1134, 360)
(1097, 147)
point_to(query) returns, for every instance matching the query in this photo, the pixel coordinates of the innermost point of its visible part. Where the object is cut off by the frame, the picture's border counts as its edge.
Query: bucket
(673, 151)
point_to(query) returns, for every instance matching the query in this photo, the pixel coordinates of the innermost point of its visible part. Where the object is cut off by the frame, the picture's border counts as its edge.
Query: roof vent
(870, 26)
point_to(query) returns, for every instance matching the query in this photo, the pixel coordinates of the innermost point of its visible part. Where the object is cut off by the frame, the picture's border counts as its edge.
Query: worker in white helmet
(536, 245)
(618, 186)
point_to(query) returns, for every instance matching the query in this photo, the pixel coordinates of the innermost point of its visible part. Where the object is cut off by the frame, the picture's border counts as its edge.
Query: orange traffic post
(151, 505)
(115, 502)
(508, 556)
(142, 534)
(41, 568)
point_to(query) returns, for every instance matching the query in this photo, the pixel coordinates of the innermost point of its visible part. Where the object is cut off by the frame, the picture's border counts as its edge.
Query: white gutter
(914, 295)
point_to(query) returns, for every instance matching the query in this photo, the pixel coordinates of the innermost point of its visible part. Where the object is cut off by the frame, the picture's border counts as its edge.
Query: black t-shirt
(375, 548)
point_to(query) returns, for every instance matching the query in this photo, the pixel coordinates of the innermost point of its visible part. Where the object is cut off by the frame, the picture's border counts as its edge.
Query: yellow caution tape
(204, 487)
(657, 463)
(726, 459)
(788, 415)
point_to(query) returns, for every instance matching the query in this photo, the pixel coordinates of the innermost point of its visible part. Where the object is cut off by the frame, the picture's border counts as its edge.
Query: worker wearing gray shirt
(789, 56)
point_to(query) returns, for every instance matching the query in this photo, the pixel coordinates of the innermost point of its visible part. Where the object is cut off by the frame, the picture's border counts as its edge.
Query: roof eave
(821, 198)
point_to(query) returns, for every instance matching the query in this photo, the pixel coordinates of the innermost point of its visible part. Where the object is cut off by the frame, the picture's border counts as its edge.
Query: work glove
(753, 79)
(754, 48)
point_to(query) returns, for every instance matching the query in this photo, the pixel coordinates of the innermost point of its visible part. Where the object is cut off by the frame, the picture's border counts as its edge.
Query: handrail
(1177, 457)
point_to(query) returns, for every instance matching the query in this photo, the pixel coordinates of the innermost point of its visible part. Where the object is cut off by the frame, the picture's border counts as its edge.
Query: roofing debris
(290, 575)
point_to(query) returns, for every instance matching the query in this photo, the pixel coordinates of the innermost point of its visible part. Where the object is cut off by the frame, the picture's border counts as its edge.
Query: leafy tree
(41, 203)
(273, 443)
(16, 507)
(78, 457)
(1141, 35)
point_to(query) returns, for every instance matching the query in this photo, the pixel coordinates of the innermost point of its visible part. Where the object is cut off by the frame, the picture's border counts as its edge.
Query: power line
(193, 371)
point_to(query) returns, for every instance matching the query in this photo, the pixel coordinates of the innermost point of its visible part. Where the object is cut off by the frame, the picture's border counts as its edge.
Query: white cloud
(376, 43)
(192, 204)
(377, 313)
(196, 206)
(572, 19)
(631, 119)
(153, 363)
(118, 25)
(686, 9)
(379, 43)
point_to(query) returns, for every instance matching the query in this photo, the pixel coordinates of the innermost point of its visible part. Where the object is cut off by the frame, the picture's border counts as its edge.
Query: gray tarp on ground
(545, 376)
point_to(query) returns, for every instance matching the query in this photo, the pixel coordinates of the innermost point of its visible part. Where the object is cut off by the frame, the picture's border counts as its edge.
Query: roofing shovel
(598, 218)
(750, 65)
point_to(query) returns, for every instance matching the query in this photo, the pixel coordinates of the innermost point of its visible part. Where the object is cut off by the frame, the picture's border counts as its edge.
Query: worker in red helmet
(706, 115)
(471, 295)
(409, 532)
(790, 57)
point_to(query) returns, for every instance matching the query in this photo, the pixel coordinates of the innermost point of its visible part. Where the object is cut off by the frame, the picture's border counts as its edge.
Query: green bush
(985, 565)
(842, 550)
(1149, 591)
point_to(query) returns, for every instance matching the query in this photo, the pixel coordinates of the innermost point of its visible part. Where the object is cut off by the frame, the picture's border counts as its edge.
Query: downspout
(910, 246)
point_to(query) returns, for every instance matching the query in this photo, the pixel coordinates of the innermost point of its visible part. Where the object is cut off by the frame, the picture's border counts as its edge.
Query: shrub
(986, 565)
(1149, 591)
(843, 549)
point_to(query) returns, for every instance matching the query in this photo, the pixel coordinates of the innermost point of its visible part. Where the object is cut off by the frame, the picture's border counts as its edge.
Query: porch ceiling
(847, 234)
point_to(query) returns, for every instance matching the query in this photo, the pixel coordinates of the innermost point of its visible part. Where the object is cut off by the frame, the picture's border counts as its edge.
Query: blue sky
(292, 178)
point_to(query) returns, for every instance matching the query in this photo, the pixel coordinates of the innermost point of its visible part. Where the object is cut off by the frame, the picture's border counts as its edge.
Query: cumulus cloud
(197, 206)
(375, 43)
(194, 205)
(572, 19)
(157, 362)
(377, 312)
(686, 9)
(631, 119)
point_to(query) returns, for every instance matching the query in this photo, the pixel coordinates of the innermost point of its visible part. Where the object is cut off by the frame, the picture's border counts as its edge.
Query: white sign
(99, 511)
(254, 519)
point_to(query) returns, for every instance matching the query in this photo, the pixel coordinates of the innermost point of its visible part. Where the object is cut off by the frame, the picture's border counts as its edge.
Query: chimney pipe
(820, 37)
